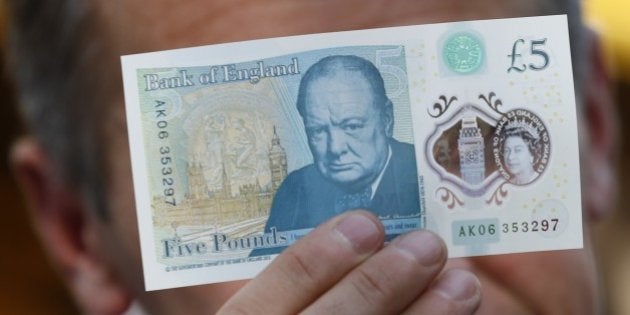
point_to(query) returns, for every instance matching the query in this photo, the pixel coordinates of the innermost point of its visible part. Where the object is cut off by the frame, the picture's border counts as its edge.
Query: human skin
(346, 132)
(518, 159)
(100, 259)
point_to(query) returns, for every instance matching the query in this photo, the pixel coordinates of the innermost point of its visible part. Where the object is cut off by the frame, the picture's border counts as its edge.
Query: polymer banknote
(468, 129)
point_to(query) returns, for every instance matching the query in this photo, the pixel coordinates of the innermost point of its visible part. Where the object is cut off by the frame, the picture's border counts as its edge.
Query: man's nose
(337, 144)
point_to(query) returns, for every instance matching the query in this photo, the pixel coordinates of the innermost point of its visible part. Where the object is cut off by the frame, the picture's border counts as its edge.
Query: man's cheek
(319, 151)
(317, 148)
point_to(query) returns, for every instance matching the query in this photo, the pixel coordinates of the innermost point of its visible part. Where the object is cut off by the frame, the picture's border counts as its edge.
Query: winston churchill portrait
(357, 164)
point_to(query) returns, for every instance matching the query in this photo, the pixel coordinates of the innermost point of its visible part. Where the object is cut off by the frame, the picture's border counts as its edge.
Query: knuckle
(235, 309)
(373, 287)
(298, 268)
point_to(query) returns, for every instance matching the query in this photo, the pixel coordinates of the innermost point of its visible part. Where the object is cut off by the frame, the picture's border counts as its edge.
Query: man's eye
(314, 131)
(353, 127)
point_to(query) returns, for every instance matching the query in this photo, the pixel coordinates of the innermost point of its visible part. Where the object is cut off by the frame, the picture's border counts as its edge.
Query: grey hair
(58, 61)
(52, 56)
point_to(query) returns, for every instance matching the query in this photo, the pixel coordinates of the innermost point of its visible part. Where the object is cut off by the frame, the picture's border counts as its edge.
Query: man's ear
(387, 115)
(599, 143)
(67, 231)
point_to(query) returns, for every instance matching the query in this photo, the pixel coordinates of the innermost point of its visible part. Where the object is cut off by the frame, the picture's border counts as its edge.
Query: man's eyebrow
(347, 119)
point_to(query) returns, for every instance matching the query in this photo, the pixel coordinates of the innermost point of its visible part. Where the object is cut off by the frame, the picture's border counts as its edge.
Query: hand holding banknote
(343, 268)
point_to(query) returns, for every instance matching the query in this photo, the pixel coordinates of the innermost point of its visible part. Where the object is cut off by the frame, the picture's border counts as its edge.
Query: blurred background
(612, 236)
(30, 286)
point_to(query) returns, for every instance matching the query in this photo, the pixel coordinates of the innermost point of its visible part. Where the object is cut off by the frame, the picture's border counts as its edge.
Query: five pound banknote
(467, 129)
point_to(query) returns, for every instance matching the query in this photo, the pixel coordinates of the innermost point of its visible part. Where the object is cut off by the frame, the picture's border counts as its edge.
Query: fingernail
(427, 248)
(360, 231)
(458, 285)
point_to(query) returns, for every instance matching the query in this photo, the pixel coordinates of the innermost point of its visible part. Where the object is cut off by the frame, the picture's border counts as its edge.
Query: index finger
(312, 265)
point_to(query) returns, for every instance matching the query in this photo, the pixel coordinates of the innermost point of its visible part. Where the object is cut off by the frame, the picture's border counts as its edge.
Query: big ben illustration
(471, 152)
(277, 162)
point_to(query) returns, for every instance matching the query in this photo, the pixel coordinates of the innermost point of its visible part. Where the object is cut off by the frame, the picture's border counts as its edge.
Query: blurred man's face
(341, 153)
(346, 130)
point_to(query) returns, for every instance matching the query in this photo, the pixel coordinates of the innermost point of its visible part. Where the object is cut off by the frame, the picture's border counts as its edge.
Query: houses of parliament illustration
(223, 207)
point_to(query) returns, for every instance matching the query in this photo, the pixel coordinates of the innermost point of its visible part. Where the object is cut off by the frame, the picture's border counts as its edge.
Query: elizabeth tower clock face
(471, 155)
